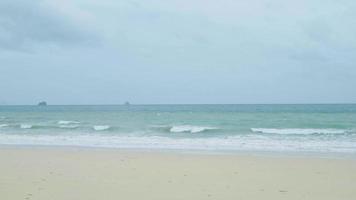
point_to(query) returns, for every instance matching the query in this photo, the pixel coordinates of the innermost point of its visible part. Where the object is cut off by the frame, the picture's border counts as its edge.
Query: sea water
(272, 128)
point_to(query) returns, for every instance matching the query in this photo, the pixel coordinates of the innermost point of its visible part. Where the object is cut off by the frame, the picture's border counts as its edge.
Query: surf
(64, 122)
(297, 131)
(101, 127)
(190, 129)
(26, 126)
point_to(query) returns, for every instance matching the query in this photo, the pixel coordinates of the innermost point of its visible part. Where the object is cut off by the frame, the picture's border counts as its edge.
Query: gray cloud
(24, 24)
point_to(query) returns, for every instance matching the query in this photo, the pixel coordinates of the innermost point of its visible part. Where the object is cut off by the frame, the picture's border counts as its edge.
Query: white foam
(249, 143)
(26, 126)
(190, 129)
(63, 122)
(69, 126)
(3, 125)
(101, 127)
(297, 131)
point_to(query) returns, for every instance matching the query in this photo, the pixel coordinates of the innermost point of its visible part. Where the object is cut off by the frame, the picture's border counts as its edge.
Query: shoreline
(193, 152)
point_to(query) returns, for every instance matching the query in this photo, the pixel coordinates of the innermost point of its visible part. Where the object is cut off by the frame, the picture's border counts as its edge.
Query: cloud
(283, 51)
(25, 24)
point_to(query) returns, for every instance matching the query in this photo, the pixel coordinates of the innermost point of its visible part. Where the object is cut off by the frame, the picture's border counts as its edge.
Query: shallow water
(276, 128)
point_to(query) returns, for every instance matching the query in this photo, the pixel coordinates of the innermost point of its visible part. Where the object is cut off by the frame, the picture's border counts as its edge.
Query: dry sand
(92, 174)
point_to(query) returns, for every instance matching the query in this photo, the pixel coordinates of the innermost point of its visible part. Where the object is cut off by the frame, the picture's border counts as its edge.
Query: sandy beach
(75, 174)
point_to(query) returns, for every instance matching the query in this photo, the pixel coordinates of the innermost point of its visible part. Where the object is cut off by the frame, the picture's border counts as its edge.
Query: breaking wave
(26, 126)
(3, 125)
(101, 127)
(63, 122)
(69, 126)
(190, 129)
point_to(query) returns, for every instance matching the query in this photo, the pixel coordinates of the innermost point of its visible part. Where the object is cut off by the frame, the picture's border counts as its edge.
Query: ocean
(326, 128)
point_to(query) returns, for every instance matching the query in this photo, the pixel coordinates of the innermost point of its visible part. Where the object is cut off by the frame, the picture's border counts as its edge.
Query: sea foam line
(297, 131)
(157, 142)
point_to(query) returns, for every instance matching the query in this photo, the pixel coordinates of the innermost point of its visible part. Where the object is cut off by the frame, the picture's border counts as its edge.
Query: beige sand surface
(92, 174)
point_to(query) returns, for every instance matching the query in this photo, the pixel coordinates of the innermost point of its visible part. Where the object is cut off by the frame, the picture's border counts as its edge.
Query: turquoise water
(276, 128)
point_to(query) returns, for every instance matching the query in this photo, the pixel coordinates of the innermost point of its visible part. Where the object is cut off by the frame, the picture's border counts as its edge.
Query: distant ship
(42, 103)
(127, 103)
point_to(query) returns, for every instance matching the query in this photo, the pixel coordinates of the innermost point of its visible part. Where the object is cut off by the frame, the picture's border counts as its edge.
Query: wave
(101, 127)
(30, 126)
(3, 125)
(26, 126)
(69, 126)
(190, 129)
(63, 122)
(297, 131)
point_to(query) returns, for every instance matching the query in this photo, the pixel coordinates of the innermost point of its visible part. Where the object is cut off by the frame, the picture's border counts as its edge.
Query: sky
(177, 51)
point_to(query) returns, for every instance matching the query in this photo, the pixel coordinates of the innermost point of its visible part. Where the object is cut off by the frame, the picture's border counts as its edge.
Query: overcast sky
(177, 51)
